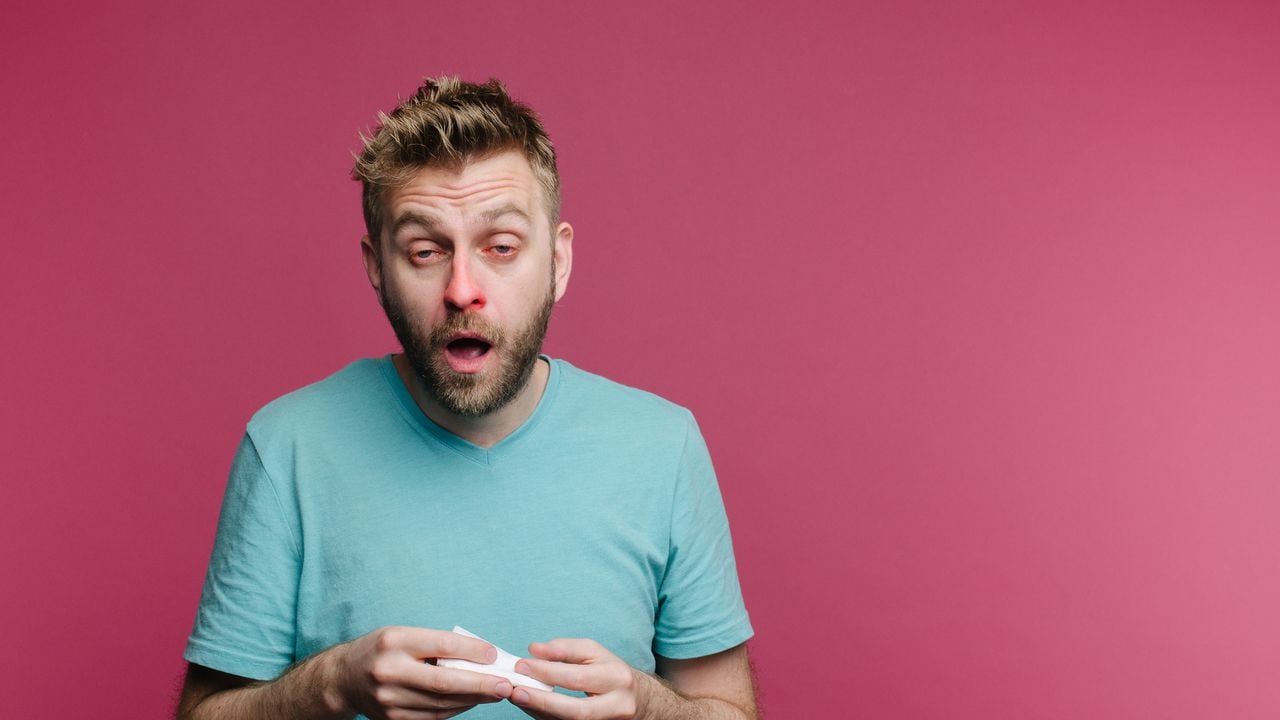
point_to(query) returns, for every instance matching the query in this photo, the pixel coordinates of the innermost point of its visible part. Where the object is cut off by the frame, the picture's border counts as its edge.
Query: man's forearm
(664, 702)
(306, 692)
(379, 674)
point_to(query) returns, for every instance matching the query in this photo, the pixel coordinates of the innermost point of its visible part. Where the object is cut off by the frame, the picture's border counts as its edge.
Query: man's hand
(611, 685)
(721, 685)
(383, 674)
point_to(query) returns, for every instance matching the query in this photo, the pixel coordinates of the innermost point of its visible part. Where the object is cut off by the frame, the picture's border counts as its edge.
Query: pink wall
(979, 308)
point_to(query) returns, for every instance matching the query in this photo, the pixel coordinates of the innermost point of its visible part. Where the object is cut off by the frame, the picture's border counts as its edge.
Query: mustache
(460, 323)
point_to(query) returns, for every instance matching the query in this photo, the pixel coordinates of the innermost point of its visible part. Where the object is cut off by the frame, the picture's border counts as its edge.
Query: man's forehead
(482, 190)
(414, 216)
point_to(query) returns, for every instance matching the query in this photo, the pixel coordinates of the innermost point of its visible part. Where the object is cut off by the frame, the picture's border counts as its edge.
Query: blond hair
(447, 123)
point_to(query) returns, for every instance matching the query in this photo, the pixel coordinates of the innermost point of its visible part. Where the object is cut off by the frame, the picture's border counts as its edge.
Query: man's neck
(486, 430)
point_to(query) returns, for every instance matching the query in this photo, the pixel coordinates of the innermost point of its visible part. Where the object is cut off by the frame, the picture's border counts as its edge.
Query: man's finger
(566, 675)
(404, 698)
(540, 702)
(455, 681)
(570, 650)
(425, 643)
(428, 714)
(424, 678)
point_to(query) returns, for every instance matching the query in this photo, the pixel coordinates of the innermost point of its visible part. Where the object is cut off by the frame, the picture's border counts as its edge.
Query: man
(469, 481)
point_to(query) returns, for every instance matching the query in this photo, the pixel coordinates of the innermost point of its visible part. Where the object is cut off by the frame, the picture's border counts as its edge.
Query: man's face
(468, 272)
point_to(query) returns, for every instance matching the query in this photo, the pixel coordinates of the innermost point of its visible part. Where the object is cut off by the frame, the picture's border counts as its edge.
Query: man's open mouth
(467, 348)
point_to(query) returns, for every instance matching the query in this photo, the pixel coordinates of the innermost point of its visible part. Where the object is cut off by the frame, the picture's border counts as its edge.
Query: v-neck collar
(428, 427)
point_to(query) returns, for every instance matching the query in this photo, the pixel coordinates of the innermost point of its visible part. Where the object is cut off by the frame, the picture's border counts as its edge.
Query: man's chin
(472, 394)
(472, 405)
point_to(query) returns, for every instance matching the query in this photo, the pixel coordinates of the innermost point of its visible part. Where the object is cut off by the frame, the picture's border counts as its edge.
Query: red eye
(426, 255)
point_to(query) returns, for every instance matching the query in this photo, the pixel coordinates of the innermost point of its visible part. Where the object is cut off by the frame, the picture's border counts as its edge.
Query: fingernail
(519, 697)
(491, 654)
(503, 689)
(522, 667)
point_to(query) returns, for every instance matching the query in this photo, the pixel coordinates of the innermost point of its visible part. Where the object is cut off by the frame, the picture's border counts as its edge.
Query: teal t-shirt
(347, 510)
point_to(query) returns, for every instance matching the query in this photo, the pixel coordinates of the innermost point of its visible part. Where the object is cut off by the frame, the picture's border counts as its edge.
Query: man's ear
(372, 263)
(563, 250)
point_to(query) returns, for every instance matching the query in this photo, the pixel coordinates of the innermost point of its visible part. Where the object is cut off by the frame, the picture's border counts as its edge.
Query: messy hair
(448, 123)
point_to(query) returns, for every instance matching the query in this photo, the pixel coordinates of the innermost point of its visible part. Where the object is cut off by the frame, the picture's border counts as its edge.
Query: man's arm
(372, 675)
(299, 693)
(715, 687)
(723, 683)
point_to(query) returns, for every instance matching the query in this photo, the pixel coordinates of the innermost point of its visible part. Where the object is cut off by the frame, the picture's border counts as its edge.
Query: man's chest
(515, 556)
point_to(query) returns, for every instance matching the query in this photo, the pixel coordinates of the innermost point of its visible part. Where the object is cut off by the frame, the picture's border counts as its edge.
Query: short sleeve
(245, 622)
(700, 607)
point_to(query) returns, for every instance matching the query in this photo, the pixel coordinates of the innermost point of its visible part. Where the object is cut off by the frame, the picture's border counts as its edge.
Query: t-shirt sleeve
(700, 607)
(245, 622)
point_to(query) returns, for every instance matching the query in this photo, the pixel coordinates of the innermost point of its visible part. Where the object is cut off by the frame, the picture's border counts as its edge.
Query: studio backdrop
(977, 305)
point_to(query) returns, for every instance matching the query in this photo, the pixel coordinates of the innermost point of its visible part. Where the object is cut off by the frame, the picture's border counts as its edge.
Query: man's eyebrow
(504, 210)
(425, 222)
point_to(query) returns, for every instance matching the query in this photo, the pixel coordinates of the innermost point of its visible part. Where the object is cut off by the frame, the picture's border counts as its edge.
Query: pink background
(979, 308)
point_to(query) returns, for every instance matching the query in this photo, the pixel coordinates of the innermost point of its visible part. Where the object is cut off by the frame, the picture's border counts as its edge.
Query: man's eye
(426, 254)
(503, 250)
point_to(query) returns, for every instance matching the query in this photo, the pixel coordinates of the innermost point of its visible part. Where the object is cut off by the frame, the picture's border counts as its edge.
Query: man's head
(465, 248)
(448, 123)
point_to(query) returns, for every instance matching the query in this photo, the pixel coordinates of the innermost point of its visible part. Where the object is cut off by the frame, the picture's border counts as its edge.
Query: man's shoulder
(595, 394)
(346, 393)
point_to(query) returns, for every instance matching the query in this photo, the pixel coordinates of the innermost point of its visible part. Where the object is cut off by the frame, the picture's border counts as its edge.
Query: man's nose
(463, 292)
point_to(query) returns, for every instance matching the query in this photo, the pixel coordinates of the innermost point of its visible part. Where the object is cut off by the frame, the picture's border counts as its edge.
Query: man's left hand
(614, 689)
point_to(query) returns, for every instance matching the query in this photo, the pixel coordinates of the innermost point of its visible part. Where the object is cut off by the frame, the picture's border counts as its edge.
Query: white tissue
(504, 666)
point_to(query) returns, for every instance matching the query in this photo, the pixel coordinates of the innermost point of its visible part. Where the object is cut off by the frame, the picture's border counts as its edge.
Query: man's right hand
(383, 674)
(388, 674)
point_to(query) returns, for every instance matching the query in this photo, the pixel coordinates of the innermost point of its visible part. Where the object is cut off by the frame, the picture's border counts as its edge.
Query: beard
(470, 395)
